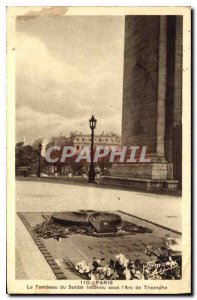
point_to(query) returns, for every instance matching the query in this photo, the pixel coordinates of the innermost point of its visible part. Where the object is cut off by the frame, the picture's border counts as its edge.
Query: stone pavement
(35, 196)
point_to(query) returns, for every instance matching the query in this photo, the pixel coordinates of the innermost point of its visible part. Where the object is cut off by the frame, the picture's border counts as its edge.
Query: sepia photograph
(98, 106)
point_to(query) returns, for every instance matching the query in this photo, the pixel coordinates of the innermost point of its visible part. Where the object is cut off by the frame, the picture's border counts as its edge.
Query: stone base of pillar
(152, 170)
(150, 175)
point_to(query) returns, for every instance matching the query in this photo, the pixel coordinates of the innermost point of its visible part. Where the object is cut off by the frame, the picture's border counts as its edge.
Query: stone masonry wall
(140, 81)
(173, 113)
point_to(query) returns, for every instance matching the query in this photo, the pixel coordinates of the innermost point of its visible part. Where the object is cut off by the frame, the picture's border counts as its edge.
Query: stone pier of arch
(152, 102)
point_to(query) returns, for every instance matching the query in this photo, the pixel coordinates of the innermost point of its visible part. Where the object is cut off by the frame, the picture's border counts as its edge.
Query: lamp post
(40, 149)
(91, 174)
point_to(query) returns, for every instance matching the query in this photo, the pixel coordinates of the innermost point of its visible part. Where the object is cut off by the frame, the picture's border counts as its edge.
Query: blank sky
(68, 68)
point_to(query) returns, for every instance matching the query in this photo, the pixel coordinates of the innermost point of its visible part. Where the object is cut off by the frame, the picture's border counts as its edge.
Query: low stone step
(141, 182)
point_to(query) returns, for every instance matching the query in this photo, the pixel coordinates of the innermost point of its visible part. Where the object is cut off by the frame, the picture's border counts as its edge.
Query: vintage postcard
(98, 150)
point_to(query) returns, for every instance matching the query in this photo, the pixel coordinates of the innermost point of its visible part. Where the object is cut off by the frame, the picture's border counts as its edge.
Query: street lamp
(40, 149)
(91, 174)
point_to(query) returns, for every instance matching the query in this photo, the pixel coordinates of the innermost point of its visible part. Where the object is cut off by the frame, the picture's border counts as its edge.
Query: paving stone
(61, 276)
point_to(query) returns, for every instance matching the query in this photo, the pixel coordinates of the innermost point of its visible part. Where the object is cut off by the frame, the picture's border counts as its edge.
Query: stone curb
(48, 257)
